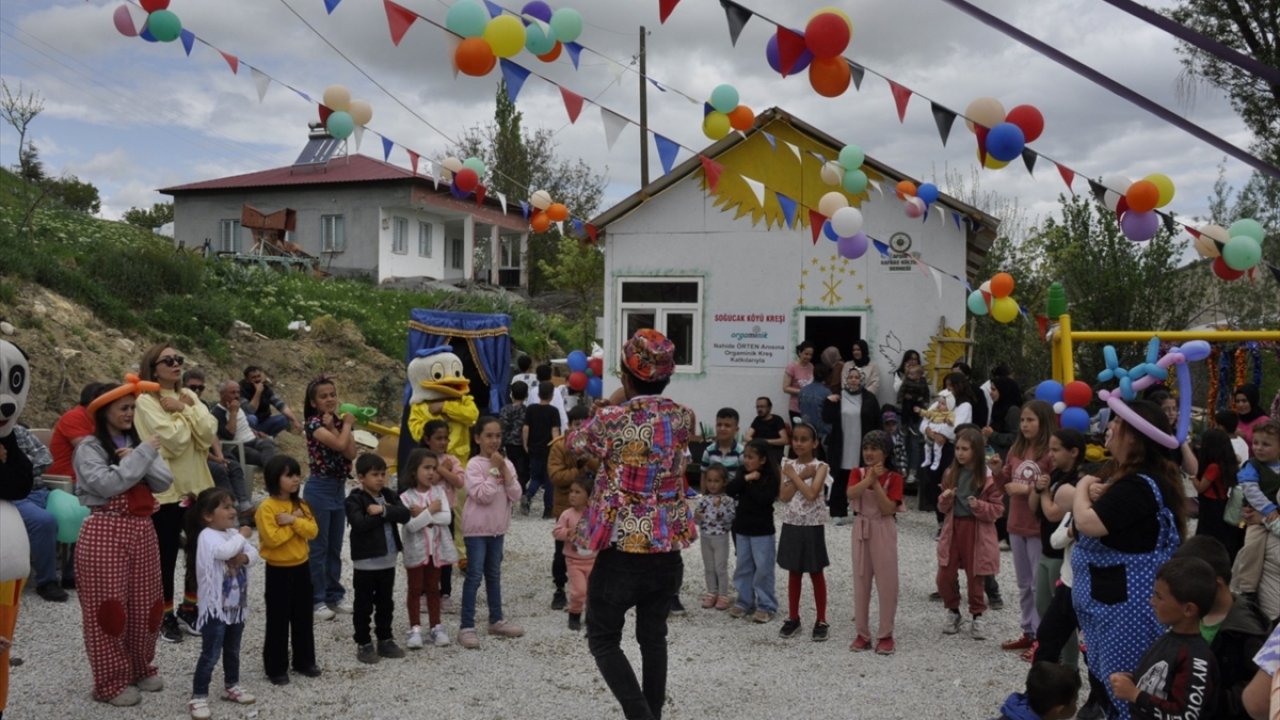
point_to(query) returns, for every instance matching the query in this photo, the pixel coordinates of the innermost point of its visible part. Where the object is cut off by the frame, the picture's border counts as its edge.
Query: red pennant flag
(1121, 207)
(816, 219)
(591, 233)
(790, 46)
(480, 194)
(901, 96)
(233, 61)
(324, 114)
(572, 103)
(413, 160)
(664, 9)
(1068, 176)
(1042, 324)
(399, 18)
(981, 132)
(1192, 231)
(712, 170)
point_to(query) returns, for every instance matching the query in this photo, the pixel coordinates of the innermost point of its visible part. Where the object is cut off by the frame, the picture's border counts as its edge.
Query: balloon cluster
(1070, 402)
(586, 373)
(340, 114)
(484, 39)
(994, 297)
(844, 222)
(1154, 369)
(826, 37)
(464, 175)
(846, 171)
(917, 200)
(548, 211)
(1134, 203)
(1241, 247)
(1002, 136)
(722, 113)
(161, 25)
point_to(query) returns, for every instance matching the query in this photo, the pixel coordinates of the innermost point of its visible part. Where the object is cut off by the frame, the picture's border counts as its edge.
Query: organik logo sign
(899, 259)
(749, 339)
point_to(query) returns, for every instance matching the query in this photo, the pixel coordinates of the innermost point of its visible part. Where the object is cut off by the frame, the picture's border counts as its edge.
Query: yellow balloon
(716, 125)
(992, 163)
(505, 35)
(361, 112)
(835, 11)
(1004, 309)
(337, 97)
(831, 202)
(1164, 185)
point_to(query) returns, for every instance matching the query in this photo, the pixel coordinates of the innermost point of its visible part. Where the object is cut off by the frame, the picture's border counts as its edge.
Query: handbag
(1235, 505)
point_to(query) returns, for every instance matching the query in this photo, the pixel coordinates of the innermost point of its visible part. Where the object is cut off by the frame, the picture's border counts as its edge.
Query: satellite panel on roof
(318, 151)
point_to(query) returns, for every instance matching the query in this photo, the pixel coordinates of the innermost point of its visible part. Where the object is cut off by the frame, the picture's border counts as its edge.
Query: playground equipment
(364, 418)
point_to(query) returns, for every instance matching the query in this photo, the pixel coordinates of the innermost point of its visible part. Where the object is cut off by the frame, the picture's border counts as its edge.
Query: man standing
(258, 398)
(638, 521)
(770, 428)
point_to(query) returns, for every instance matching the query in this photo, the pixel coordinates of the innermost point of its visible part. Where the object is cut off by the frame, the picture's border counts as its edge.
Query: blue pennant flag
(574, 51)
(667, 151)
(956, 217)
(515, 76)
(578, 227)
(707, 109)
(188, 40)
(772, 141)
(457, 191)
(881, 248)
(524, 208)
(788, 208)
(656, 84)
(386, 148)
(494, 8)
(331, 5)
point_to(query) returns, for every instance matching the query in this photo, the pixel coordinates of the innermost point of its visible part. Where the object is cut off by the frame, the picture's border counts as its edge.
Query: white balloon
(832, 173)
(847, 221)
(831, 202)
(540, 199)
(452, 164)
(1205, 244)
(1116, 185)
(1059, 406)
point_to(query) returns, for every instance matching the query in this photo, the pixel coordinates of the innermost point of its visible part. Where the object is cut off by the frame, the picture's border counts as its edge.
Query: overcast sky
(131, 116)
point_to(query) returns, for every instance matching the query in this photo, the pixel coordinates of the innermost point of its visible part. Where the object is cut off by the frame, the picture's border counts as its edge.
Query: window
(333, 233)
(673, 306)
(399, 236)
(455, 262)
(229, 236)
(424, 239)
(509, 249)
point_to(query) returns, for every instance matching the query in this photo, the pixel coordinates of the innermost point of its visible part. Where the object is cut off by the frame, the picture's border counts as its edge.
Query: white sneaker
(345, 607)
(322, 613)
(415, 640)
(952, 624)
(237, 694)
(439, 637)
(199, 708)
(976, 629)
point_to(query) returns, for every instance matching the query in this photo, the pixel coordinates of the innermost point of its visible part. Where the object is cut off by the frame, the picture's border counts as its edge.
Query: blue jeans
(484, 558)
(273, 425)
(753, 575)
(42, 530)
(217, 638)
(620, 581)
(538, 479)
(325, 497)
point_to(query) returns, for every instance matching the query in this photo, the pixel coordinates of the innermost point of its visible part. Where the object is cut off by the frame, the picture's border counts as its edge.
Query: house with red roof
(361, 216)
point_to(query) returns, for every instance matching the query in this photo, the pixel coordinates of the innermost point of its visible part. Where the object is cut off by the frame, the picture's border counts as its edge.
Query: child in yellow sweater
(285, 524)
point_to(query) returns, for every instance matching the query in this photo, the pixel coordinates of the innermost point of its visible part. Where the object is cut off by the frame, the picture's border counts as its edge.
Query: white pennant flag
(876, 185)
(437, 172)
(359, 134)
(502, 198)
(794, 150)
(262, 81)
(937, 281)
(613, 126)
(560, 227)
(452, 42)
(757, 188)
(617, 69)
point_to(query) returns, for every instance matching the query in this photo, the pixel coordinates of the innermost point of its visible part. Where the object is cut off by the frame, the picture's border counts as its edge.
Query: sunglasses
(197, 389)
(170, 361)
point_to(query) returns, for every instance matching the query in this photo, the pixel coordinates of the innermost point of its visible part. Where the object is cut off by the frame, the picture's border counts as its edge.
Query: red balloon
(1077, 393)
(578, 381)
(596, 365)
(1028, 119)
(466, 179)
(551, 54)
(153, 5)
(1225, 271)
(826, 35)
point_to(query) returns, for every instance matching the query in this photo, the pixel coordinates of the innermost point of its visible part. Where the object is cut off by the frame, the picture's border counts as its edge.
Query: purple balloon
(852, 247)
(536, 9)
(1140, 227)
(771, 53)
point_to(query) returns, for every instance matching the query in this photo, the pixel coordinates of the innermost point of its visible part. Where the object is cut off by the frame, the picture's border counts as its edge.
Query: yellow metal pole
(1176, 335)
(1068, 354)
(1055, 356)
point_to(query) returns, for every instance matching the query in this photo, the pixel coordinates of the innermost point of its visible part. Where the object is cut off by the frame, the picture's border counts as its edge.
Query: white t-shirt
(1242, 450)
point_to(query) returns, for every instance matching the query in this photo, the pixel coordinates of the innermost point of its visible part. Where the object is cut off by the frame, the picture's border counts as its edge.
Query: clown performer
(17, 475)
(118, 557)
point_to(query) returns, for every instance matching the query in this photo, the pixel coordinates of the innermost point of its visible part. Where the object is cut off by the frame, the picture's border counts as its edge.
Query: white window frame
(509, 252)
(230, 234)
(333, 233)
(458, 248)
(660, 312)
(400, 236)
(424, 239)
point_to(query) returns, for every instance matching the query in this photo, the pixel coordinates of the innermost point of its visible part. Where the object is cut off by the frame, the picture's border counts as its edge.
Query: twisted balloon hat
(1144, 375)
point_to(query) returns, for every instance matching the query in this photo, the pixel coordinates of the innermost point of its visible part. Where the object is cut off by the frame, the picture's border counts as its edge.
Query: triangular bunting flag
(955, 216)
(188, 40)
(711, 169)
(413, 160)
(502, 200)
(876, 185)
(387, 144)
(757, 189)
(232, 61)
(788, 208)
(707, 109)
(1029, 159)
(524, 209)
(578, 229)
(261, 81)
(795, 150)
(737, 17)
(331, 5)
(667, 151)
(790, 47)
(574, 50)
(881, 247)
(592, 233)
(613, 126)
(937, 280)
(773, 142)
(857, 72)
(901, 96)
(1098, 190)
(480, 192)
(515, 76)
(656, 84)
(399, 19)
(664, 9)
(457, 193)
(494, 8)
(1192, 231)
(572, 103)
(981, 133)
(1068, 176)
(816, 220)
(1168, 223)
(358, 133)
(324, 112)
(1219, 244)
(944, 119)
(300, 94)
(560, 227)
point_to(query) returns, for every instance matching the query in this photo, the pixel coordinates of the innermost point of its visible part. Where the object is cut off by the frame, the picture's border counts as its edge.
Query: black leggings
(168, 521)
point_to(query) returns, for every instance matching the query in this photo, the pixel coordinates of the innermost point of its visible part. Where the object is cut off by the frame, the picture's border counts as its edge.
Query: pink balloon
(914, 207)
(124, 22)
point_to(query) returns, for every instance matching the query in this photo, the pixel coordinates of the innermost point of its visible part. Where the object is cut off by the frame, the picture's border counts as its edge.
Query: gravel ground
(719, 667)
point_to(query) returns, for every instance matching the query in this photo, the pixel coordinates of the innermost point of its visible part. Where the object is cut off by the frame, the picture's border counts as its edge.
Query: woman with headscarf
(852, 411)
(861, 359)
(1249, 410)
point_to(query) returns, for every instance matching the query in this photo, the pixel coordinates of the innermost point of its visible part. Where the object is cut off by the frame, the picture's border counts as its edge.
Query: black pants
(168, 524)
(520, 458)
(374, 590)
(288, 602)
(1056, 625)
(838, 500)
(559, 569)
(621, 581)
(931, 482)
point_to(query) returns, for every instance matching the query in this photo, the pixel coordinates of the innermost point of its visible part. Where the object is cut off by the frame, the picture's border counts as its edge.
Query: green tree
(159, 214)
(76, 194)
(579, 270)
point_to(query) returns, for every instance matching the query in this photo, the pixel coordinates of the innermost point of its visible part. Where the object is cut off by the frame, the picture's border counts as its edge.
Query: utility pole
(644, 116)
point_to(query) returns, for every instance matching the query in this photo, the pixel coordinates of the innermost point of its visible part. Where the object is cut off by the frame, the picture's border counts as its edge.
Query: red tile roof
(351, 169)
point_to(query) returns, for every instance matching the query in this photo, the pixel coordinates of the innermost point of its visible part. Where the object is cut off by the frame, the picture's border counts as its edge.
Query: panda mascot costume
(17, 475)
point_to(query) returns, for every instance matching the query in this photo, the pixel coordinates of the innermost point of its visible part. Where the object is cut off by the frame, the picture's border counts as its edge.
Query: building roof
(349, 169)
(980, 231)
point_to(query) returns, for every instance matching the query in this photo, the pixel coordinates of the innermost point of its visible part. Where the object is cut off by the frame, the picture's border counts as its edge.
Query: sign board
(750, 339)
(899, 259)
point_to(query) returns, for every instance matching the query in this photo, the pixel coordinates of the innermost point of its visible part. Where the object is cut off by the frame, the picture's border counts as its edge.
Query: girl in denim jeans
(755, 487)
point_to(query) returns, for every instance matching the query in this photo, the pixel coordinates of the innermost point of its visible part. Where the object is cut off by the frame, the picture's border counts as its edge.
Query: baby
(938, 418)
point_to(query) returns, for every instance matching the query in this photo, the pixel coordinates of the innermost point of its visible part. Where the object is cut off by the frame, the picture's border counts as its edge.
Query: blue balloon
(830, 231)
(577, 361)
(771, 53)
(1076, 418)
(1196, 350)
(1005, 142)
(1049, 391)
(595, 387)
(928, 192)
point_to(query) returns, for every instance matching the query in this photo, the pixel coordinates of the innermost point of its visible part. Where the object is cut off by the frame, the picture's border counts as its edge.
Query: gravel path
(719, 667)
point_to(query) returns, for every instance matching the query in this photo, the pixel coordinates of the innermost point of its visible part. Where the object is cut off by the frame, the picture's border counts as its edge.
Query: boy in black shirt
(541, 426)
(770, 428)
(1178, 676)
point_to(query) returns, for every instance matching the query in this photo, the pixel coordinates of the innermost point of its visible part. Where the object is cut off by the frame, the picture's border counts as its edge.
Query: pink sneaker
(708, 601)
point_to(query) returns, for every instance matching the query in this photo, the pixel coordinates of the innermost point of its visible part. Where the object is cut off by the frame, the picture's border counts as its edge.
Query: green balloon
(1241, 252)
(977, 303)
(340, 124)
(467, 18)
(851, 157)
(68, 513)
(724, 98)
(538, 42)
(1247, 227)
(164, 25)
(566, 24)
(476, 164)
(855, 181)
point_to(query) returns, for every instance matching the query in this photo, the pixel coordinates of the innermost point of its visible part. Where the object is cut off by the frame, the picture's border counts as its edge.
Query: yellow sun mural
(945, 348)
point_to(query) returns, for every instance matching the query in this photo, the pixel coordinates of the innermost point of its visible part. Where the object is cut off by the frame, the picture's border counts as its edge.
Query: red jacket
(990, 506)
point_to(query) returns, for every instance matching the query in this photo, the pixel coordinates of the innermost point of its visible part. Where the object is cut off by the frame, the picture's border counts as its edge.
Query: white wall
(410, 264)
(751, 268)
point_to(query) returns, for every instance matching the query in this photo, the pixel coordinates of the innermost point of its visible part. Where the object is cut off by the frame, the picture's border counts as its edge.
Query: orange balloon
(552, 54)
(474, 57)
(557, 212)
(906, 189)
(830, 77)
(540, 222)
(741, 118)
(1001, 285)
(1143, 196)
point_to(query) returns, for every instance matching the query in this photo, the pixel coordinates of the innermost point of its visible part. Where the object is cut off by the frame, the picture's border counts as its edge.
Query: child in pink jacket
(972, 501)
(579, 561)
